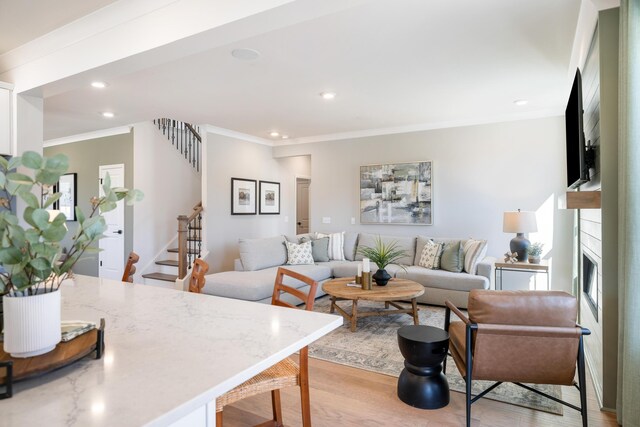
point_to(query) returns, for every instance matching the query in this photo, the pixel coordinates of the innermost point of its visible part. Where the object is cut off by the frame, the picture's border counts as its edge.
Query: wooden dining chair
(130, 268)
(283, 374)
(197, 281)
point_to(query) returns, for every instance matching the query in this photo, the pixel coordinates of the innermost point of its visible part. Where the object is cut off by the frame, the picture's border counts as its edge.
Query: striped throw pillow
(336, 245)
(474, 251)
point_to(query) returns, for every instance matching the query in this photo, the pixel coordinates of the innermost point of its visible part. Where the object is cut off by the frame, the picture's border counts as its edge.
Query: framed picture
(49, 192)
(396, 193)
(67, 202)
(243, 196)
(269, 198)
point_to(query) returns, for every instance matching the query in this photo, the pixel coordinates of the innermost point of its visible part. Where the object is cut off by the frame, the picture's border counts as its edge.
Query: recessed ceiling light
(520, 102)
(285, 136)
(98, 85)
(245, 54)
(108, 114)
(328, 95)
(274, 134)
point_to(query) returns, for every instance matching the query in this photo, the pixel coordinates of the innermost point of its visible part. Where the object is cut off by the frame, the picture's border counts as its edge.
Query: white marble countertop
(167, 353)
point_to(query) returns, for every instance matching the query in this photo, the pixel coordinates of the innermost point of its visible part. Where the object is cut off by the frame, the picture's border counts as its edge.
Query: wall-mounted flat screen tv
(577, 170)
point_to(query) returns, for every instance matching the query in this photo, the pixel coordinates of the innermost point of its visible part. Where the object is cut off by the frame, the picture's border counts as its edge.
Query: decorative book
(74, 328)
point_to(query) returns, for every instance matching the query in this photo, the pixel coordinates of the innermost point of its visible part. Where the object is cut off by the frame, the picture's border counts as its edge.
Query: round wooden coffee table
(396, 290)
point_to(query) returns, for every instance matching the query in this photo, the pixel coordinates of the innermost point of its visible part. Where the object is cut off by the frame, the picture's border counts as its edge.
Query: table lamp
(519, 222)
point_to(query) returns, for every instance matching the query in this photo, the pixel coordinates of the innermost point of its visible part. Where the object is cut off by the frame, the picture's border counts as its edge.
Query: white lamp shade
(520, 222)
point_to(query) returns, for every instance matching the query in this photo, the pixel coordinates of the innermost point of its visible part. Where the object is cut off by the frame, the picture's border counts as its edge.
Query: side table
(421, 383)
(521, 267)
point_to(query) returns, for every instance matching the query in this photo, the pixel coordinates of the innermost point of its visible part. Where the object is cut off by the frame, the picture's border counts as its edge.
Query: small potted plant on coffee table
(382, 254)
(534, 251)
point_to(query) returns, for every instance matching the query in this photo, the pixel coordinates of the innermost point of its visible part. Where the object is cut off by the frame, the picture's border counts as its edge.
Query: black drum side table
(421, 383)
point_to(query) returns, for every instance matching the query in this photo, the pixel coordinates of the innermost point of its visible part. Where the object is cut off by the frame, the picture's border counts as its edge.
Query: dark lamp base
(519, 245)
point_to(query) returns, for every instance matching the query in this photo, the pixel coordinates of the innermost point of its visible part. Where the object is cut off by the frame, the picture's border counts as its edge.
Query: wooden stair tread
(161, 276)
(168, 262)
(175, 250)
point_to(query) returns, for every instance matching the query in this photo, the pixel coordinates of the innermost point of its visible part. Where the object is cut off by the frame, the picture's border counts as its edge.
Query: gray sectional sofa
(255, 271)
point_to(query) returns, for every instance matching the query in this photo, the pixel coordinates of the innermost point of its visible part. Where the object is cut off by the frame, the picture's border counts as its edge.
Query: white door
(111, 259)
(302, 205)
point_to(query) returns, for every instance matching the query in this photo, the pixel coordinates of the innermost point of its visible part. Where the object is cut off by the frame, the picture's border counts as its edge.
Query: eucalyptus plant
(383, 254)
(31, 252)
(535, 249)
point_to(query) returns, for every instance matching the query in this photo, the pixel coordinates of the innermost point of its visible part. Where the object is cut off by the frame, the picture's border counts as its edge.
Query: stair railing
(185, 137)
(189, 239)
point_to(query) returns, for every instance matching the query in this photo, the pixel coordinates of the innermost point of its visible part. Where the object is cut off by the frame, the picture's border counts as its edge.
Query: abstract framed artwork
(397, 193)
(243, 196)
(67, 186)
(269, 198)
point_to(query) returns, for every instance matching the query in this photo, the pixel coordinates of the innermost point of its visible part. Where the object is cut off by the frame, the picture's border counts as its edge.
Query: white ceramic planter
(31, 324)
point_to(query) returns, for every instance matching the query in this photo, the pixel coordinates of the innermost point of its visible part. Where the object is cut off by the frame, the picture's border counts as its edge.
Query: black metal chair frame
(581, 386)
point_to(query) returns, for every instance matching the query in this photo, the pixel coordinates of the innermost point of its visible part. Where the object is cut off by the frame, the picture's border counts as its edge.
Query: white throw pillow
(430, 257)
(336, 245)
(474, 251)
(299, 253)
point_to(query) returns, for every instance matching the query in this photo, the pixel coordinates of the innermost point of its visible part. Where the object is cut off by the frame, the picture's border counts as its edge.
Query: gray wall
(478, 173)
(84, 159)
(229, 157)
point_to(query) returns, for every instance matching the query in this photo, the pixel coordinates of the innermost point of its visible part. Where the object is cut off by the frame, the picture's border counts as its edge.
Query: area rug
(374, 347)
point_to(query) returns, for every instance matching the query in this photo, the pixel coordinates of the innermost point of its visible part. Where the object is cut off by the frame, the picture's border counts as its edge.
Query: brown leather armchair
(519, 337)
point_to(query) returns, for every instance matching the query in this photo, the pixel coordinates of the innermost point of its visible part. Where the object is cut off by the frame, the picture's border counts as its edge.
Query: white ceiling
(43, 17)
(394, 64)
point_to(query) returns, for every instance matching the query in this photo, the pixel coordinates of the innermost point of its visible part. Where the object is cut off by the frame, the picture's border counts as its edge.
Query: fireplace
(590, 283)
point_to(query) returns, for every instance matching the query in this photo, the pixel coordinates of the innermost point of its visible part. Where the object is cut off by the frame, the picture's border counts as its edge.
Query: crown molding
(238, 135)
(421, 127)
(87, 136)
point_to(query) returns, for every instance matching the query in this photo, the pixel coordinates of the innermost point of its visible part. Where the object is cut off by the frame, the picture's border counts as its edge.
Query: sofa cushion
(474, 251)
(299, 253)
(257, 254)
(258, 285)
(452, 258)
(443, 279)
(431, 254)
(343, 268)
(298, 237)
(350, 245)
(421, 240)
(336, 245)
(350, 268)
(320, 249)
(408, 244)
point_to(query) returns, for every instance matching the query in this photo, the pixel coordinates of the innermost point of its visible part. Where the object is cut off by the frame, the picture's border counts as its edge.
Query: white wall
(232, 158)
(478, 173)
(28, 124)
(171, 187)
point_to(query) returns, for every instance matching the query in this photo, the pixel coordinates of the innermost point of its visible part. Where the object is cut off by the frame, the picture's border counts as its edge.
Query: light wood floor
(345, 396)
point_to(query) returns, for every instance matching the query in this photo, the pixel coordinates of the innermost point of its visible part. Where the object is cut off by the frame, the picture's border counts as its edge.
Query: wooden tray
(65, 353)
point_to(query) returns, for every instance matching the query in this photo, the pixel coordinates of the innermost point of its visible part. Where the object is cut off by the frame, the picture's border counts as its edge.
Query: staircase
(184, 137)
(177, 261)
